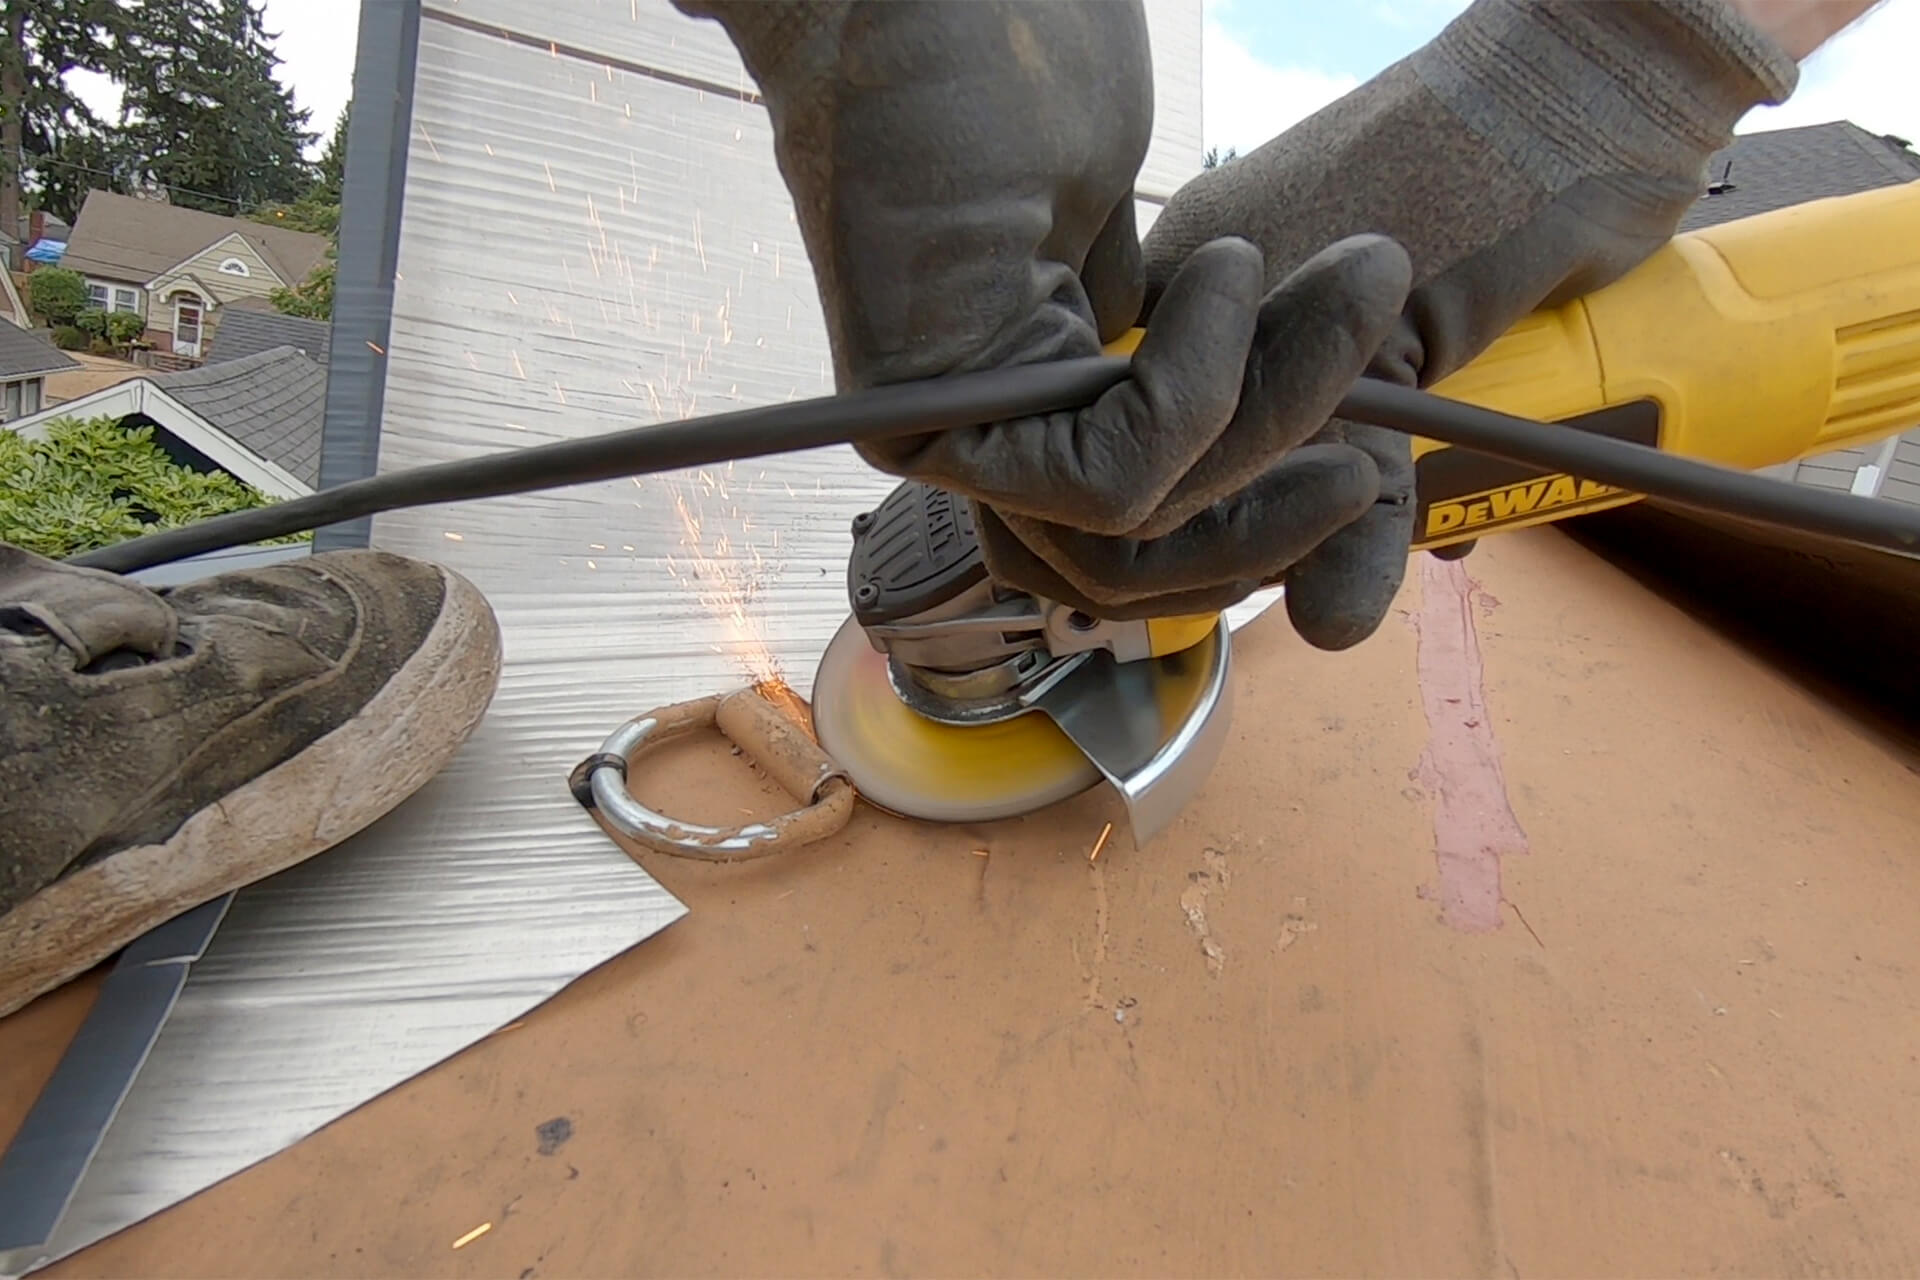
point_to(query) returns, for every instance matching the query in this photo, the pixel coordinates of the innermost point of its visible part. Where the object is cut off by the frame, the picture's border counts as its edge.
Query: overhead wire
(996, 396)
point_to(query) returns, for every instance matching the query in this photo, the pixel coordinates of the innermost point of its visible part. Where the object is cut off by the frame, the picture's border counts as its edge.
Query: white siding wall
(651, 267)
(587, 246)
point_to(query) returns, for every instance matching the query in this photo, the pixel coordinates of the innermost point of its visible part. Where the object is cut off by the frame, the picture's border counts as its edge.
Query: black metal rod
(970, 399)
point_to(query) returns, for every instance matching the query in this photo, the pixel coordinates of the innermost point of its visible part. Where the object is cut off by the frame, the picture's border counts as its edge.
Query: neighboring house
(179, 267)
(249, 326)
(1762, 172)
(257, 418)
(26, 359)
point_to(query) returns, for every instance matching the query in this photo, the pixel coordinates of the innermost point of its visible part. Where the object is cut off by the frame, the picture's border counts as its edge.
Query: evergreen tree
(48, 137)
(333, 161)
(203, 112)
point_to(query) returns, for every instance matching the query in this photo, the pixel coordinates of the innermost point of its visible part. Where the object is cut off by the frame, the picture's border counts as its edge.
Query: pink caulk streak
(1473, 822)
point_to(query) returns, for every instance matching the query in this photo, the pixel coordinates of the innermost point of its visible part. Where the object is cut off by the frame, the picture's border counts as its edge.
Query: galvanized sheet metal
(585, 246)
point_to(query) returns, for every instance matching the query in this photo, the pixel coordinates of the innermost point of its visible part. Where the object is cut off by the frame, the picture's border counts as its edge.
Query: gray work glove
(963, 174)
(1533, 152)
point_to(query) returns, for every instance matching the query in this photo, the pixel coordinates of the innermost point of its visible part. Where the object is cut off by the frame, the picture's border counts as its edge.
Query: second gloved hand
(963, 178)
(1533, 152)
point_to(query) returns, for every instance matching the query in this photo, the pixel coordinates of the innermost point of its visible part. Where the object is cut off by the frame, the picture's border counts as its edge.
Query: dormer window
(234, 267)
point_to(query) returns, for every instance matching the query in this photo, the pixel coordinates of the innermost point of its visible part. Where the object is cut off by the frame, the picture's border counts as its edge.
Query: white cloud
(1245, 101)
(1865, 74)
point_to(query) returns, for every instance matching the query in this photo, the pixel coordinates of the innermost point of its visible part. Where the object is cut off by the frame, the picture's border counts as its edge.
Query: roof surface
(1785, 167)
(245, 331)
(272, 402)
(24, 353)
(127, 239)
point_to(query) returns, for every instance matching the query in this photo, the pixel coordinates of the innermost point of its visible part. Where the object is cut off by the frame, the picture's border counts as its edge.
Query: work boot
(159, 748)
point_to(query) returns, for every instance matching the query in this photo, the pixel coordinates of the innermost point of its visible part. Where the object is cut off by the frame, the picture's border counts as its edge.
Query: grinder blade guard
(949, 698)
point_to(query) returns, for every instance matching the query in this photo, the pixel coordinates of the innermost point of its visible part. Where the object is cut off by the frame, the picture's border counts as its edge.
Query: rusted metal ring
(764, 734)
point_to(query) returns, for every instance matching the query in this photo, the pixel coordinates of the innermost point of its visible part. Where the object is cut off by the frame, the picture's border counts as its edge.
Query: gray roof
(120, 237)
(1785, 167)
(244, 331)
(272, 402)
(24, 353)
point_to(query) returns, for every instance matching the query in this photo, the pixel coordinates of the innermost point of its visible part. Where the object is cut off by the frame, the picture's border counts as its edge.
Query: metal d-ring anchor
(763, 733)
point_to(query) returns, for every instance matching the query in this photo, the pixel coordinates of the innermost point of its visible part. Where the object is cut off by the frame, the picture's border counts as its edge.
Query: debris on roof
(1762, 172)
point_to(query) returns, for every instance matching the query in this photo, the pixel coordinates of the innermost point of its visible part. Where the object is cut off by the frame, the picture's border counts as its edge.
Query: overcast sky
(1269, 64)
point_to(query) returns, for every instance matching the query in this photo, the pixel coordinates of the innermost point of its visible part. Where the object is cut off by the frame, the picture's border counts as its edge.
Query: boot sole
(305, 805)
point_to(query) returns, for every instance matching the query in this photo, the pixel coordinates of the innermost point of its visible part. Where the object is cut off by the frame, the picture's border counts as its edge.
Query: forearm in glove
(1534, 151)
(962, 174)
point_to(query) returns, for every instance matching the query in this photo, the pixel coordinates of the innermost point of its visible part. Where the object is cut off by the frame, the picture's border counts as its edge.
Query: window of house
(30, 397)
(234, 267)
(12, 409)
(112, 297)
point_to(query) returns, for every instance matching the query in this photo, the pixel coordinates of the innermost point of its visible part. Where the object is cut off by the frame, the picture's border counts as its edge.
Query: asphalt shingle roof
(120, 238)
(243, 331)
(1785, 167)
(273, 402)
(23, 354)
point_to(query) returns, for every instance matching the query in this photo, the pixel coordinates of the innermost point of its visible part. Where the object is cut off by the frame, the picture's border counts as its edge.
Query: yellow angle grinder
(947, 698)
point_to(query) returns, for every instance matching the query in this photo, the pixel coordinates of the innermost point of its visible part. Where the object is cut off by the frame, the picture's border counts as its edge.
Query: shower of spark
(643, 289)
(728, 579)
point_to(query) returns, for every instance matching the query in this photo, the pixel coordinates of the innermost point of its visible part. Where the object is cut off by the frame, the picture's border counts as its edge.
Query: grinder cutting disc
(902, 762)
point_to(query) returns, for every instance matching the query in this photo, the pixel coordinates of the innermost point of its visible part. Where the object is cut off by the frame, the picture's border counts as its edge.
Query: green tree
(80, 161)
(45, 130)
(333, 161)
(91, 483)
(309, 213)
(1215, 157)
(312, 297)
(203, 112)
(318, 211)
(56, 294)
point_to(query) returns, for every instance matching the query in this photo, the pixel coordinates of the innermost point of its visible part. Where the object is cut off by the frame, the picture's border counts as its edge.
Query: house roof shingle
(120, 238)
(245, 331)
(1783, 167)
(272, 402)
(24, 353)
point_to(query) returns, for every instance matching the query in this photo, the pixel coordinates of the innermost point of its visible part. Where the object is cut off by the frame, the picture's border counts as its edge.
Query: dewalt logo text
(1509, 504)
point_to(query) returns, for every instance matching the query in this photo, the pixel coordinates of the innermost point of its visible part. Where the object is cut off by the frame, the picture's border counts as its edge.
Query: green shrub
(108, 331)
(124, 326)
(69, 337)
(56, 294)
(93, 483)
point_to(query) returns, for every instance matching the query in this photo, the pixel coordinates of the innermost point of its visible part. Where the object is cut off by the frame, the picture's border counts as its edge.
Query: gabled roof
(244, 331)
(272, 402)
(121, 238)
(1785, 167)
(258, 418)
(24, 353)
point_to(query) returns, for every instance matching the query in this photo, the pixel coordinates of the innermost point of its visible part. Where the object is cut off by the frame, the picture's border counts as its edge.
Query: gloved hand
(1533, 152)
(962, 174)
